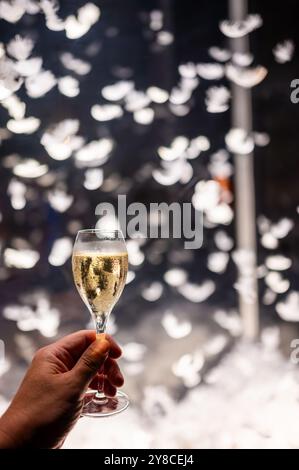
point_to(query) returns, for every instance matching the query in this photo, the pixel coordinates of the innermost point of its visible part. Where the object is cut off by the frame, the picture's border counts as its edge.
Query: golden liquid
(100, 278)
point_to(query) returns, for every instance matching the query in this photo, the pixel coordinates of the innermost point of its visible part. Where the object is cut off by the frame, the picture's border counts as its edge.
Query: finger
(109, 389)
(71, 347)
(113, 372)
(90, 362)
(115, 350)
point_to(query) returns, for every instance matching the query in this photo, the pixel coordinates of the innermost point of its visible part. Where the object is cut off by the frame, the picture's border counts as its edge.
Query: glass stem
(99, 397)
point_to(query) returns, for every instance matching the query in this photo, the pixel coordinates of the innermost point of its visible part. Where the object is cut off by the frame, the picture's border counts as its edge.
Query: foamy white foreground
(250, 401)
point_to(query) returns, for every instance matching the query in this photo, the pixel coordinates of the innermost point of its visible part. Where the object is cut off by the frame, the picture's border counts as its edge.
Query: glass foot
(111, 406)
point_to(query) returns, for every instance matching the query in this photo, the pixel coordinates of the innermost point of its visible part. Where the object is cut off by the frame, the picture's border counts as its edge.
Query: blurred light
(282, 228)
(43, 318)
(278, 262)
(144, 116)
(261, 139)
(40, 84)
(189, 83)
(178, 170)
(133, 368)
(270, 338)
(221, 214)
(261, 271)
(222, 55)
(68, 86)
(156, 20)
(187, 70)
(28, 67)
(94, 153)
(12, 11)
(201, 142)
(246, 78)
(284, 51)
(220, 167)
(217, 99)
(47, 179)
(188, 367)
(20, 48)
(130, 277)
(238, 29)
(4, 135)
(210, 71)
(197, 292)
(59, 200)
(106, 112)
(60, 251)
(165, 38)
(118, 91)
(174, 327)
(215, 345)
(263, 224)
(9, 79)
(269, 241)
(136, 257)
(288, 309)
(21, 259)
(276, 283)
(217, 262)
(70, 62)
(15, 107)
(175, 277)
(269, 297)
(243, 59)
(179, 110)
(133, 352)
(74, 226)
(87, 16)
(93, 179)
(136, 100)
(177, 148)
(157, 95)
(239, 141)
(179, 96)
(153, 292)
(30, 168)
(230, 321)
(17, 191)
(23, 126)
(61, 140)
(49, 8)
(207, 195)
(25, 347)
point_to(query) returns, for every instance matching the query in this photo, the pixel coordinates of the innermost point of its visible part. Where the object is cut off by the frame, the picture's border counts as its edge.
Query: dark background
(125, 46)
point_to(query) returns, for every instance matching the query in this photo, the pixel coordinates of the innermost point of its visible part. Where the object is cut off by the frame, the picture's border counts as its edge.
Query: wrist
(14, 429)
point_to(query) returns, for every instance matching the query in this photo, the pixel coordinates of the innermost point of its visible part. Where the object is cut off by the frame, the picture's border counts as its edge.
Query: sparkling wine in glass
(100, 266)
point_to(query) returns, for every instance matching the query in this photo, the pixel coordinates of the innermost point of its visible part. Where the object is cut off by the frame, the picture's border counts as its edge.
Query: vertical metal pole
(244, 180)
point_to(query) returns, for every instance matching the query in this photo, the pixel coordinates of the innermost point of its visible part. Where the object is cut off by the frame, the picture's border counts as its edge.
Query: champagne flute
(100, 266)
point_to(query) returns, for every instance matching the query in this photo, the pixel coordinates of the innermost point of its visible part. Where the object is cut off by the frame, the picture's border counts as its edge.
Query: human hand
(50, 397)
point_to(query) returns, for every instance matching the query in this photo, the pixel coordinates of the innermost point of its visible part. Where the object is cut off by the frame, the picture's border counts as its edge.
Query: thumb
(91, 360)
